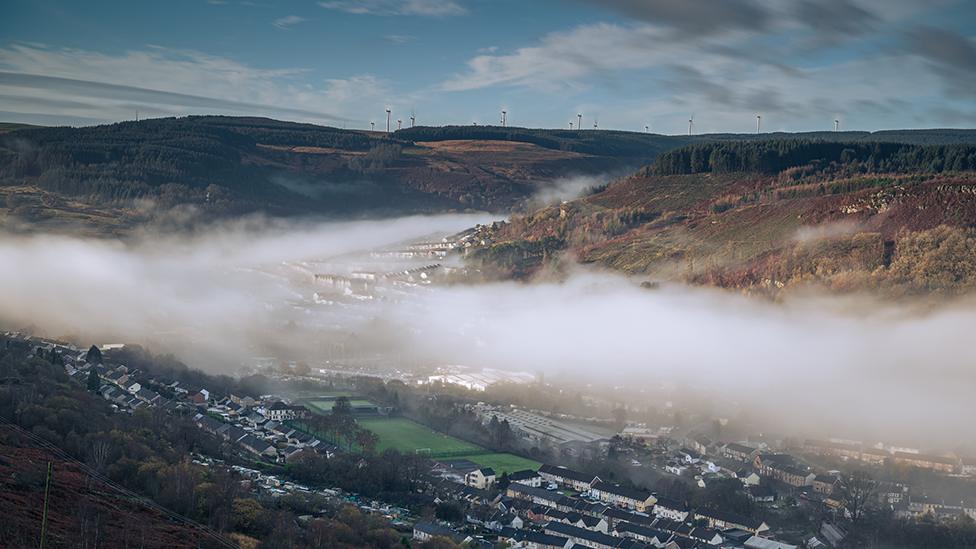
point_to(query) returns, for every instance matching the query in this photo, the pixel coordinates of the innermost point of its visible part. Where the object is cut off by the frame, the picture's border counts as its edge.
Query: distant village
(553, 506)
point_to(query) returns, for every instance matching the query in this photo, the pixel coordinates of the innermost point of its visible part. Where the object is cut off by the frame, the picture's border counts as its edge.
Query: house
(968, 467)
(131, 386)
(257, 446)
(197, 398)
(117, 376)
(230, 433)
(539, 496)
(645, 534)
(279, 411)
(528, 539)
(834, 535)
(924, 461)
(756, 542)
(482, 479)
(836, 449)
(207, 423)
(739, 452)
(723, 520)
(628, 498)
(294, 453)
(874, 456)
(700, 443)
(747, 477)
(584, 537)
(783, 467)
(700, 535)
(616, 515)
(826, 484)
(527, 477)
(671, 509)
(244, 401)
(569, 478)
(498, 520)
(147, 396)
(425, 531)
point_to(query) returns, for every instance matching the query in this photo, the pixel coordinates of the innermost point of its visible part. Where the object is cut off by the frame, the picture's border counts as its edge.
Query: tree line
(775, 156)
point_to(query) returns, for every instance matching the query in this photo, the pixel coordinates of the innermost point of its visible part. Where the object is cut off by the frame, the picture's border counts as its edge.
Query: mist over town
(445, 273)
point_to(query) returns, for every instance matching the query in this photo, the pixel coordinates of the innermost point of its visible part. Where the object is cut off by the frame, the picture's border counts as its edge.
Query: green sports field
(409, 436)
(325, 406)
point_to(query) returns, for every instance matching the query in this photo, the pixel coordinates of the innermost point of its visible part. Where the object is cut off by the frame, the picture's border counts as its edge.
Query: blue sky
(624, 64)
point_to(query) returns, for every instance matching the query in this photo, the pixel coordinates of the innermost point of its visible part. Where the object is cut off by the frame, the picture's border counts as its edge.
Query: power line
(47, 495)
(56, 450)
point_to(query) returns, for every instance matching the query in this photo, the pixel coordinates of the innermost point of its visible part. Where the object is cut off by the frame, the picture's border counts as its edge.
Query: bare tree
(98, 453)
(861, 491)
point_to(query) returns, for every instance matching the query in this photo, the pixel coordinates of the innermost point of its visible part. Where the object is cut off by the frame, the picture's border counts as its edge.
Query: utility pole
(47, 493)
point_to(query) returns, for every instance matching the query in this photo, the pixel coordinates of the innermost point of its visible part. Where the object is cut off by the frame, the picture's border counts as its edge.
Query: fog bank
(221, 297)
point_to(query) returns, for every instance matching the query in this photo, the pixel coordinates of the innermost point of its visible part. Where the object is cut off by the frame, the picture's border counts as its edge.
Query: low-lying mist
(823, 364)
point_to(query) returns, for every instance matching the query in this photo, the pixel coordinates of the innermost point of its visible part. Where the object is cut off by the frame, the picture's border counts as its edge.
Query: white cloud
(430, 8)
(653, 76)
(288, 21)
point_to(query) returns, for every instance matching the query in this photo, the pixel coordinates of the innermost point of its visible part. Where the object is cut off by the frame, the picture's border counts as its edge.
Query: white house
(482, 479)
(527, 477)
(671, 509)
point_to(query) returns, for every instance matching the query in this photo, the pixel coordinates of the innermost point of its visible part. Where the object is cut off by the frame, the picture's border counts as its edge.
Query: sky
(623, 64)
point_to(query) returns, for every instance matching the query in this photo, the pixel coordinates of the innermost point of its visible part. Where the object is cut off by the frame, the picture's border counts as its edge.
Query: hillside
(764, 216)
(118, 175)
(108, 179)
(81, 509)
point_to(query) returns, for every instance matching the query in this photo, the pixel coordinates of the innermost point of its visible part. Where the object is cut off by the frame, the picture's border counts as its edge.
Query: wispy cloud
(288, 21)
(696, 16)
(154, 80)
(399, 38)
(430, 8)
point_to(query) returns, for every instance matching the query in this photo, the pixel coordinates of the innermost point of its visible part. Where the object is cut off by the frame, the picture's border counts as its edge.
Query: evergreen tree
(94, 382)
(94, 355)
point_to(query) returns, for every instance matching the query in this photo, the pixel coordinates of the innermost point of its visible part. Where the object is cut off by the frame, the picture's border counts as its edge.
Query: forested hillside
(113, 177)
(767, 216)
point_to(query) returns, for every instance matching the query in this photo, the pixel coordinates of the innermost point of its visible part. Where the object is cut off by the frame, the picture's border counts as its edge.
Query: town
(537, 478)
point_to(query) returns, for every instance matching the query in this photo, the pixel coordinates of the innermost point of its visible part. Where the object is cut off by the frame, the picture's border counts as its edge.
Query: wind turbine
(836, 124)
(758, 122)
(647, 128)
(596, 123)
(372, 125)
(691, 125)
(413, 118)
(579, 121)
(399, 124)
(388, 111)
(570, 126)
(504, 117)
